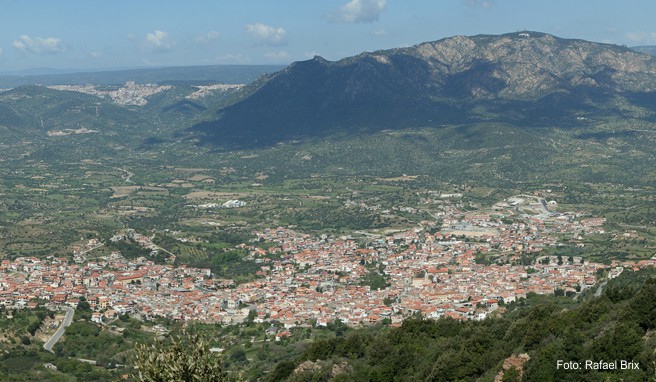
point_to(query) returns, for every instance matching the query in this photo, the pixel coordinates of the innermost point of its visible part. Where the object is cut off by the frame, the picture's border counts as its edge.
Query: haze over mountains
(398, 166)
(527, 78)
(518, 105)
(231, 74)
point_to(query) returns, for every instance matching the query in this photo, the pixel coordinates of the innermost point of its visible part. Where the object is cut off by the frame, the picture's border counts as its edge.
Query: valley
(298, 241)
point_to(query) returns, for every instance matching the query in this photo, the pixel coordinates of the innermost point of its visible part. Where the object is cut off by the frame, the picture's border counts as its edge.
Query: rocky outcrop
(513, 362)
(309, 368)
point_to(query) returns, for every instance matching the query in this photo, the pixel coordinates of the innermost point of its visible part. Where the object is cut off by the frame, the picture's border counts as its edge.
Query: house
(283, 334)
(97, 317)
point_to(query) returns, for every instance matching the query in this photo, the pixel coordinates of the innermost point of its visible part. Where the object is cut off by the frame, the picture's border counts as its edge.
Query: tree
(83, 305)
(25, 340)
(252, 315)
(239, 355)
(511, 375)
(185, 359)
(643, 307)
(283, 370)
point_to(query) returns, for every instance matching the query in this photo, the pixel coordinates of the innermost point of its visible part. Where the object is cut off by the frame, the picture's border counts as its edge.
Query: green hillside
(616, 327)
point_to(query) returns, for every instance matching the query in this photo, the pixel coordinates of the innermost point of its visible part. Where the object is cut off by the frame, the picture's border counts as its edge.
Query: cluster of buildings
(132, 93)
(129, 94)
(468, 269)
(206, 90)
(233, 203)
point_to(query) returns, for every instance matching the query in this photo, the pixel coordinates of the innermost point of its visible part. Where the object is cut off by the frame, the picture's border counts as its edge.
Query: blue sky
(92, 34)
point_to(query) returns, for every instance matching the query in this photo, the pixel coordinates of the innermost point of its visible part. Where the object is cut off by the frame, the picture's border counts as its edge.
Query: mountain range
(480, 108)
(527, 78)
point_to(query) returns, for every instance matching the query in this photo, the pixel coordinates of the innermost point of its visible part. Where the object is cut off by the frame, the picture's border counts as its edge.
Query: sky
(112, 34)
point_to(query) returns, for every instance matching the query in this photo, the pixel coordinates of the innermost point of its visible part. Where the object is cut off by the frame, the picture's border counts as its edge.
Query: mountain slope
(41, 109)
(529, 79)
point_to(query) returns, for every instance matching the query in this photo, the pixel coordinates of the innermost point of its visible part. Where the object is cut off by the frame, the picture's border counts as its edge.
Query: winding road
(128, 175)
(60, 330)
(599, 289)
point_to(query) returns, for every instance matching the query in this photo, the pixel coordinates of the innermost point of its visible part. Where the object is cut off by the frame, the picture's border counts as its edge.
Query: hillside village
(135, 94)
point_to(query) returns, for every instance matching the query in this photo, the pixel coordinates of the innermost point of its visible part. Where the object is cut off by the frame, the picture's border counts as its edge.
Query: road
(91, 249)
(597, 293)
(128, 174)
(599, 289)
(60, 330)
(368, 234)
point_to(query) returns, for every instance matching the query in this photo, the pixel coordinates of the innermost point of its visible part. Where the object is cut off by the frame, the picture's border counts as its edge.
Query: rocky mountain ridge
(527, 78)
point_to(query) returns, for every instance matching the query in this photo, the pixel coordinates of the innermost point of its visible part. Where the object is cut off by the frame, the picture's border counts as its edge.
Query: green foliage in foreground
(186, 359)
(23, 321)
(615, 327)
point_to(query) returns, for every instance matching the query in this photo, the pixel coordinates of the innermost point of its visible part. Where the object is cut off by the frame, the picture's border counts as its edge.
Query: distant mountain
(229, 74)
(649, 49)
(527, 78)
(37, 110)
(41, 72)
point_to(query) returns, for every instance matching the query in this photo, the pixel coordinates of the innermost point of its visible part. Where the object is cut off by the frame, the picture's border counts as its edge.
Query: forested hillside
(617, 326)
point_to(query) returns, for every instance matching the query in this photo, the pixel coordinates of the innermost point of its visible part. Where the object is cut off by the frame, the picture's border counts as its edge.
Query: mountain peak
(523, 77)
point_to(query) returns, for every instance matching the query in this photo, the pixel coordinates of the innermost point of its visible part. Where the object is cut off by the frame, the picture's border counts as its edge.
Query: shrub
(185, 359)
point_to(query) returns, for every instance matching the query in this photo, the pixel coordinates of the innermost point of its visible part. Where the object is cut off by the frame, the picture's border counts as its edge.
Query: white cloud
(208, 37)
(641, 37)
(39, 45)
(359, 11)
(159, 41)
(266, 34)
(1, 52)
(95, 55)
(486, 4)
(379, 32)
(278, 56)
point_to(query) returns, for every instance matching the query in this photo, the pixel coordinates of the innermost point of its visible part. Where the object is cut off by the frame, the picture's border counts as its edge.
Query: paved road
(60, 330)
(599, 289)
(597, 293)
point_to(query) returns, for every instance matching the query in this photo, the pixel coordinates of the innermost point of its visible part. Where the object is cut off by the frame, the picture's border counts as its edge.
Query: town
(134, 94)
(313, 279)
